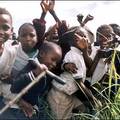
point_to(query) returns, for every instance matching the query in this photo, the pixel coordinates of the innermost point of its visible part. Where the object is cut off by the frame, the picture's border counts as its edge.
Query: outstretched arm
(52, 11)
(88, 18)
(40, 24)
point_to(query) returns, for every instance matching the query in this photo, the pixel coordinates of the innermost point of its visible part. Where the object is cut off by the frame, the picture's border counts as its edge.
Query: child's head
(104, 35)
(116, 28)
(52, 34)
(27, 36)
(49, 54)
(6, 28)
(82, 35)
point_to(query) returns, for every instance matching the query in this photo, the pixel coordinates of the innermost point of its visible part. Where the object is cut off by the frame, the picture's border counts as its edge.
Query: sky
(104, 12)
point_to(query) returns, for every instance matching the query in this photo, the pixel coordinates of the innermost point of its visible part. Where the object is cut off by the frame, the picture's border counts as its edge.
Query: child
(62, 99)
(49, 54)
(6, 31)
(28, 39)
(14, 58)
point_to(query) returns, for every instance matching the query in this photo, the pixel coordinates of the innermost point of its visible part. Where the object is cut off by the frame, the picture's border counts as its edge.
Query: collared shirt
(12, 60)
(21, 60)
(100, 69)
(75, 56)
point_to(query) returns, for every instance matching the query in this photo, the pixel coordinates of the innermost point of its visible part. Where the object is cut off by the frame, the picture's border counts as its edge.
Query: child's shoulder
(10, 47)
(11, 43)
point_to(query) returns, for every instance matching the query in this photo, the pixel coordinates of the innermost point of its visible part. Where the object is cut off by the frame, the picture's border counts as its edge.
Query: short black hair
(5, 11)
(47, 47)
(23, 25)
(116, 28)
(101, 29)
(114, 25)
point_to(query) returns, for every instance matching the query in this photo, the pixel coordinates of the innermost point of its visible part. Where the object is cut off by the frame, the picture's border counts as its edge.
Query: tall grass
(111, 104)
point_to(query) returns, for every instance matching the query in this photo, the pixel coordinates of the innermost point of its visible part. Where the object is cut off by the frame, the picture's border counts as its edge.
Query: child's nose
(28, 37)
(1, 31)
(54, 64)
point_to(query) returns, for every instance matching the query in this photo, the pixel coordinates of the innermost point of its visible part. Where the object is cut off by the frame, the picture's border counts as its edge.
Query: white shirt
(8, 57)
(73, 56)
(100, 69)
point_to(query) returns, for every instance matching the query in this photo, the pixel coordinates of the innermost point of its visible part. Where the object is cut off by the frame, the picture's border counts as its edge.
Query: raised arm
(40, 24)
(84, 48)
(52, 11)
(88, 18)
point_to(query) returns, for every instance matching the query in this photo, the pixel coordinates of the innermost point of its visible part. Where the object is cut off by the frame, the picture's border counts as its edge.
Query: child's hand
(27, 108)
(89, 17)
(51, 5)
(44, 5)
(82, 42)
(39, 69)
(71, 67)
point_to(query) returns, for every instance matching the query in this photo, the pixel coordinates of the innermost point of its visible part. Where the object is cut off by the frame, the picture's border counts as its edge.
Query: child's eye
(23, 35)
(5, 27)
(32, 35)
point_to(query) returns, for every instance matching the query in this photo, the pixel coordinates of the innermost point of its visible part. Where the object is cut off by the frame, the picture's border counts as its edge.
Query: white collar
(76, 50)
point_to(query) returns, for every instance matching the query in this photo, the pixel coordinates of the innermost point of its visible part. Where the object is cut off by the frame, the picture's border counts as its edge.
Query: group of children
(67, 52)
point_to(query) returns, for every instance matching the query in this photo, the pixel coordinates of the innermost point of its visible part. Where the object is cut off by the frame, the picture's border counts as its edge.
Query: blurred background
(104, 12)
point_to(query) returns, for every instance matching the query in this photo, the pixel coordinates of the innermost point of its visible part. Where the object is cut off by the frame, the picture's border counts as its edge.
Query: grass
(110, 109)
(111, 106)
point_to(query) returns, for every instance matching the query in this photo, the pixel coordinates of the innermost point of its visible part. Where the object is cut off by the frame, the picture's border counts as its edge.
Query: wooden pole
(22, 92)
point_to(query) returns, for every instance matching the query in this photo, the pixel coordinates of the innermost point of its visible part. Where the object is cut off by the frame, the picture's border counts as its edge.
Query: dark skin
(26, 107)
(86, 49)
(6, 29)
(104, 39)
(28, 38)
(81, 43)
(88, 18)
(44, 6)
(48, 61)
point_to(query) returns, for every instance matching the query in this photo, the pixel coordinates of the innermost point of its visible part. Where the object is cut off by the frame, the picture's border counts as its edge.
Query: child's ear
(42, 54)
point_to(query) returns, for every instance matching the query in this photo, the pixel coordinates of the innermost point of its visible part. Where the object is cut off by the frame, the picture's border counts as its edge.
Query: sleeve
(62, 28)
(71, 57)
(4, 60)
(40, 27)
(7, 59)
(21, 82)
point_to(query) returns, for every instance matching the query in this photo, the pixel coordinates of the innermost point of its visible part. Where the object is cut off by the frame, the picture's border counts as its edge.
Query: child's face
(6, 29)
(51, 58)
(105, 38)
(28, 38)
(81, 40)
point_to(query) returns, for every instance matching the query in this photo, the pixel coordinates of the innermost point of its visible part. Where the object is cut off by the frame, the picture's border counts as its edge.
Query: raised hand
(27, 108)
(88, 18)
(44, 5)
(82, 42)
(51, 5)
(71, 67)
(39, 69)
